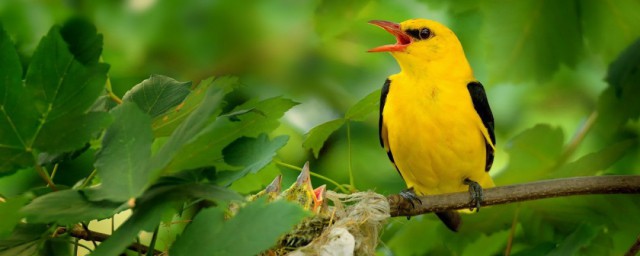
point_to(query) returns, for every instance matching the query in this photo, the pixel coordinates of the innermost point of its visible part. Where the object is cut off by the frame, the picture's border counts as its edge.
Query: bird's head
(421, 42)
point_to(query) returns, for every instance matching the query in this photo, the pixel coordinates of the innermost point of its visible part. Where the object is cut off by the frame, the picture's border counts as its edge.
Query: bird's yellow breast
(434, 134)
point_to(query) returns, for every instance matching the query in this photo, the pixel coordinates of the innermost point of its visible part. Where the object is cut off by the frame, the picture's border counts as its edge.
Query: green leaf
(364, 107)
(618, 103)
(254, 229)
(598, 161)
(69, 133)
(532, 153)
(122, 162)
(206, 150)
(48, 112)
(525, 38)
(157, 94)
(84, 41)
(404, 243)
(580, 238)
(318, 135)
(67, 207)
(25, 240)
(145, 217)
(618, 20)
(14, 114)
(189, 130)
(252, 154)
(60, 85)
(10, 215)
(166, 123)
(154, 204)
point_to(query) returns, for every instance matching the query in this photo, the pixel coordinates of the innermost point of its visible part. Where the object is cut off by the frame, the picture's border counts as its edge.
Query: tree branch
(79, 232)
(618, 184)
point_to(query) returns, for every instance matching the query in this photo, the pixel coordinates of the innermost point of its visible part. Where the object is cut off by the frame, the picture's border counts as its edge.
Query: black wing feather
(383, 100)
(481, 105)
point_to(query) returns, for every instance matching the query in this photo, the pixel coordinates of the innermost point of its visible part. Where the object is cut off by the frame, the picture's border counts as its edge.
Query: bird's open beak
(402, 39)
(275, 186)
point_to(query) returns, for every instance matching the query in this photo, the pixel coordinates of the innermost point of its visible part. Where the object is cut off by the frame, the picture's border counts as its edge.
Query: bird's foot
(475, 190)
(411, 196)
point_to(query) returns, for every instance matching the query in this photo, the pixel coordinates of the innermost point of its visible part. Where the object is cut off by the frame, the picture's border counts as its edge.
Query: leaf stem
(577, 139)
(293, 167)
(152, 244)
(45, 176)
(112, 95)
(55, 170)
(351, 182)
(88, 179)
(512, 232)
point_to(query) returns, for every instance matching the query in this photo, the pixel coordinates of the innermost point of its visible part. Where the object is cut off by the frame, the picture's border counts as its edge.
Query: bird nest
(350, 226)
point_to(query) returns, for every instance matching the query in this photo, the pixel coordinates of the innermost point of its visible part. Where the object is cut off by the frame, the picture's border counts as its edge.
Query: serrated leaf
(252, 154)
(188, 130)
(364, 107)
(58, 89)
(10, 215)
(532, 153)
(254, 229)
(166, 123)
(618, 103)
(591, 163)
(524, 38)
(15, 116)
(157, 94)
(318, 135)
(84, 41)
(206, 150)
(69, 133)
(122, 162)
(67, 207)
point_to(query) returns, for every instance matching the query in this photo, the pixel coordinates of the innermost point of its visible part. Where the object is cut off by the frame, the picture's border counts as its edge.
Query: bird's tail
(451, 219)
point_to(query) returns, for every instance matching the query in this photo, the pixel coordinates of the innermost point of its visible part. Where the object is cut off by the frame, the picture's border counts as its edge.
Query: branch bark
(618, 184)
(79, 232)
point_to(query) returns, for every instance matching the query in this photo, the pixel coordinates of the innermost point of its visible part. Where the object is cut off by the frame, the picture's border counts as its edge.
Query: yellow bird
(435, 121)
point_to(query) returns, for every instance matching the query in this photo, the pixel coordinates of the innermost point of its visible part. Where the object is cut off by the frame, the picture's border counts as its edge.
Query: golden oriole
(435, 121)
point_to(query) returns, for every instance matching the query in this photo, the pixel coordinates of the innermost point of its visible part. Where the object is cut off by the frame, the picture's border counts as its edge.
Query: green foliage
(10, 215)
(618, 102)
(157, 94)
(260, 223)
(252, 154)
(317, 136)
(68, 207)
(183, 150)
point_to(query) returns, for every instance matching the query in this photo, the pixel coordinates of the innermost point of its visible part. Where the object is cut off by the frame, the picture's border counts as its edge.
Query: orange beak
(402, 39)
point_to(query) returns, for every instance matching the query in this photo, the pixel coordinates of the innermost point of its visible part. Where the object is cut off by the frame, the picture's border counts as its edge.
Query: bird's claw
(475, 190)
(411, 196)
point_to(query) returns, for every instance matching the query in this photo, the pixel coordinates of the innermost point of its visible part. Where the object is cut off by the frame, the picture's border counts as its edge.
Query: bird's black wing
(384, 142)
(481, 105)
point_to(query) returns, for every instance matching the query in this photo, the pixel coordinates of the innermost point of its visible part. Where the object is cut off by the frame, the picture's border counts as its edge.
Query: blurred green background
(542, 62)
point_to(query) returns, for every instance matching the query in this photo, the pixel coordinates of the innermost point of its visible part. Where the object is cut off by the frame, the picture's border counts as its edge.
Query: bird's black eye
(425, 33)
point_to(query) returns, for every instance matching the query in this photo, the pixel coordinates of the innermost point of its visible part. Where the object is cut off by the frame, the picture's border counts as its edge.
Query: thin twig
(293, 167)
(81, 233)
(577, 139)
(512, 232)
(615, 184)
(635, 248)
